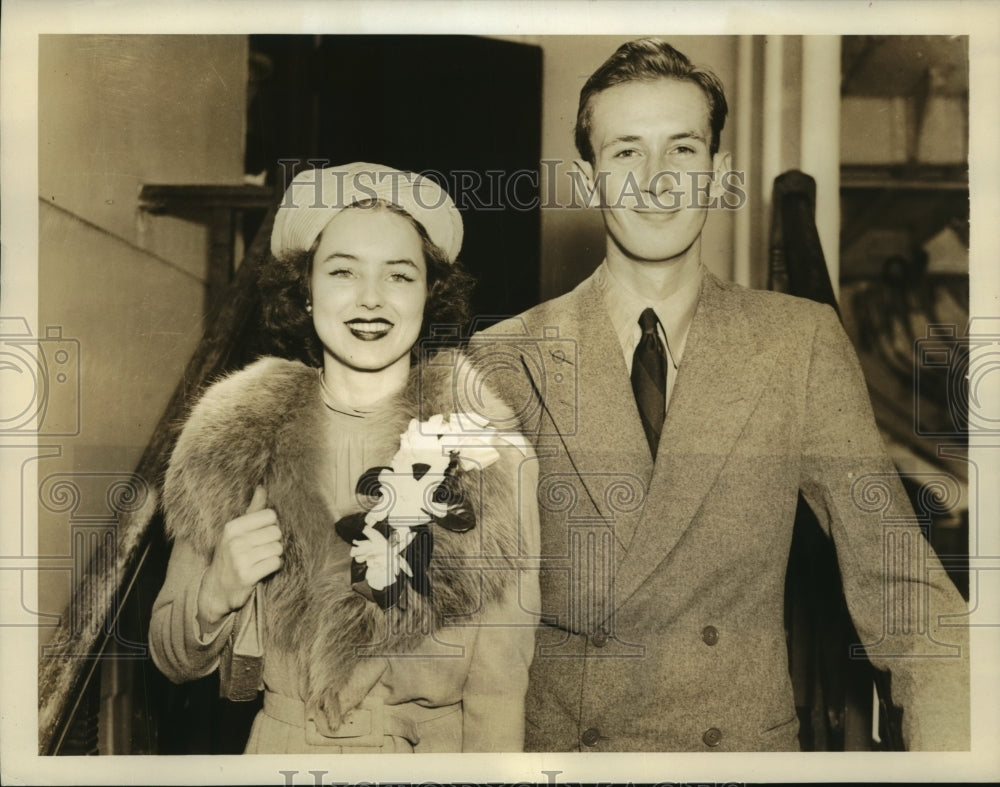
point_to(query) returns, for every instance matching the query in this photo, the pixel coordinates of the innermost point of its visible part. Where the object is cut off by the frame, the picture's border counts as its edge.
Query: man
(676, 418)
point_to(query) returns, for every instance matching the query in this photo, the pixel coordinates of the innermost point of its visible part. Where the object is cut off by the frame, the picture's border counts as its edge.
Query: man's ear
(721, 164)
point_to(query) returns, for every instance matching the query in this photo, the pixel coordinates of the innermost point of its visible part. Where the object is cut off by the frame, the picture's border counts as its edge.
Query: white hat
(315, 196)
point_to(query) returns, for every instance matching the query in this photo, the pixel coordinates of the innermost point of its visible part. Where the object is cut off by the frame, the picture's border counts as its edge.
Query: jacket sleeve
(909, 616)
(179, 649)
(219, 456)
(497, 681)
(214, 464)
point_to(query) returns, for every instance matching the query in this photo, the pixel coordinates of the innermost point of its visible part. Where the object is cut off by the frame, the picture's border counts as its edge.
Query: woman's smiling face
(369, 288)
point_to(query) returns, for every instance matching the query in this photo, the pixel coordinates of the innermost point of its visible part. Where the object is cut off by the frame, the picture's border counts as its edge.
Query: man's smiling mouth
(657, 213)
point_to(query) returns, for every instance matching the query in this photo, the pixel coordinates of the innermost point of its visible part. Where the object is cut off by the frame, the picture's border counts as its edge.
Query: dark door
(464, 110)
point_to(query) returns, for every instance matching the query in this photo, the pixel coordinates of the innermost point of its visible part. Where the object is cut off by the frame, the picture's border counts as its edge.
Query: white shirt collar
(624, 307)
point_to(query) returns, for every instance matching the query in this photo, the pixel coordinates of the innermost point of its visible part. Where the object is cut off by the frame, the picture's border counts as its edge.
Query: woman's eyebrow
(339, 255)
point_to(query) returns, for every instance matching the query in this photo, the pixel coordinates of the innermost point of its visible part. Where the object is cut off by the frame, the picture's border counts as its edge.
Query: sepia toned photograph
(610, 402)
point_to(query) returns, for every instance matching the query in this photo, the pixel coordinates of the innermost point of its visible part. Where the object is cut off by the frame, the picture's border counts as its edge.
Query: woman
(364, 514)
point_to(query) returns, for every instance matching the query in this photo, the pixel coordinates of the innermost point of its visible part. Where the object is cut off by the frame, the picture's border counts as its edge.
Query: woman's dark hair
(646, 60)
(284, 286)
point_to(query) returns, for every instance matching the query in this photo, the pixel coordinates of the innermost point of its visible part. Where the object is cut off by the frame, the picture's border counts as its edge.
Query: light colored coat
(449, 671)
(663, 585)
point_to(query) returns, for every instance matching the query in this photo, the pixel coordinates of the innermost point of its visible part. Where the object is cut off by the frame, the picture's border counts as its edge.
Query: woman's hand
(249, 550)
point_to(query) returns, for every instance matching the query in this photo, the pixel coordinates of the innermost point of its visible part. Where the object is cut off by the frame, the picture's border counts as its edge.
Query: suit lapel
(598, 420)
(719, 381)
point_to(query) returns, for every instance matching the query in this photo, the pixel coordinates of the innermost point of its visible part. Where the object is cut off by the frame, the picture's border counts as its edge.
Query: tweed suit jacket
(663, 585)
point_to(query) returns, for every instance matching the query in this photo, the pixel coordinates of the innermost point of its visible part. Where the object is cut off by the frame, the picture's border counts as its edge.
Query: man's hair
(646, 60)
(285, 284)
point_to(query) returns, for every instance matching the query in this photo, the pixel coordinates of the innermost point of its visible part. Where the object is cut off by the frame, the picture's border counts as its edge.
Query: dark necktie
(649, 379)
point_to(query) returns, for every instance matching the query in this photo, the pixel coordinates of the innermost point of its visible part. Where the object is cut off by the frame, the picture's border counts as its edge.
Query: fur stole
(266, 425)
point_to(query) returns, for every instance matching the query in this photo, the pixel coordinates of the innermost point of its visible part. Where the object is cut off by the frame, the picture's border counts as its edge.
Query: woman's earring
(309, 307)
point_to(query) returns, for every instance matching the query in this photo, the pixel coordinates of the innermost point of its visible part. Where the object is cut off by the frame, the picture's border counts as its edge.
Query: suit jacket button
(599, 638)
(710, 635)
(712, 737)
(591, 737)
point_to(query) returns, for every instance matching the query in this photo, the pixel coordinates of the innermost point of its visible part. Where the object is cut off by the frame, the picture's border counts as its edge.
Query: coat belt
(366, 725)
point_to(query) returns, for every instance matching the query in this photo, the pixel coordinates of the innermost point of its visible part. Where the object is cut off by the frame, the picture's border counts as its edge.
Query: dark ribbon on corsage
(458, 518)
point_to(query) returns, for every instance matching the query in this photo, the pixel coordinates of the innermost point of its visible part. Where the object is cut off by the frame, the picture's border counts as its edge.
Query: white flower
(425, 451)
(475, 451)
(383, 557)
(422, 441)
(468, 434)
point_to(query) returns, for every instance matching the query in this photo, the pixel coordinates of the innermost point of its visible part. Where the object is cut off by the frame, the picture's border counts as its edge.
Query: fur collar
(265, 425)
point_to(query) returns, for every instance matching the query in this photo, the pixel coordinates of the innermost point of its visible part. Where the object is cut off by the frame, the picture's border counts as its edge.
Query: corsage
(393, 539)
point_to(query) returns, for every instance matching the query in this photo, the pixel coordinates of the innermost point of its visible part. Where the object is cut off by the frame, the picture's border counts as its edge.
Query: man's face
(652, 168)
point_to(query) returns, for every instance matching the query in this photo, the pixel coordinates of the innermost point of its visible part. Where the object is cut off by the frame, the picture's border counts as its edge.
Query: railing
(833, 693)
(94, 642)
